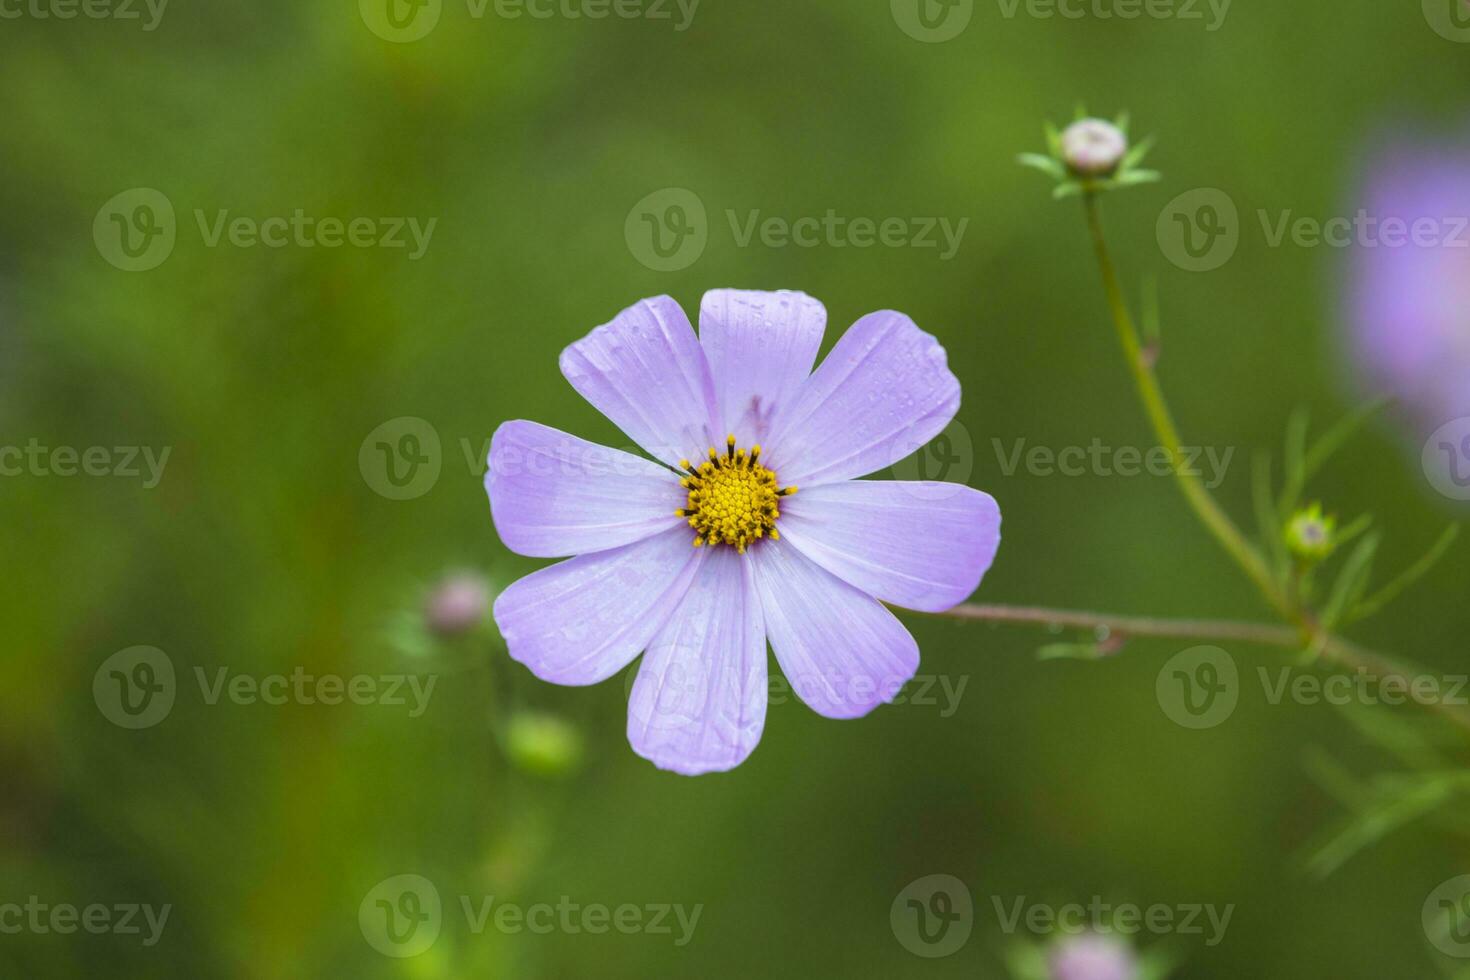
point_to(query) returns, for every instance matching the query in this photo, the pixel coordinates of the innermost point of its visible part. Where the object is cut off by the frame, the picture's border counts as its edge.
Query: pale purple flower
(701, 563)
(1409, 295)
(1092, 957)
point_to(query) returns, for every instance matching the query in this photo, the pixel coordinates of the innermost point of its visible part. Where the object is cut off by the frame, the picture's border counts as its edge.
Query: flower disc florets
(733, 499)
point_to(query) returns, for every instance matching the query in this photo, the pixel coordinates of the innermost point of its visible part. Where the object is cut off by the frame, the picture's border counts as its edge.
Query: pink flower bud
(457, 605)
(1093, 148)
(1092, 957)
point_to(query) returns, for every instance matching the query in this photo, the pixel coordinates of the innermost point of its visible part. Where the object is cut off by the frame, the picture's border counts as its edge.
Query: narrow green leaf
(1408, 576)
(1070, 189)
(1395, 804)
(1268, 521)
(1132, 177)
(1295, 472)
(1352, 580)
(1053, 140)
(1346, 427)
(1039, 161)
(1352, 529)
(1069, 651)
(1136, 153)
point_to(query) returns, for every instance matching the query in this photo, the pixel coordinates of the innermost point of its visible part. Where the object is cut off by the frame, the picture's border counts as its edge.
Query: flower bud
(1310, 535)
(1093, 147)
(542, 744)
(1092, 957)
(457, 605)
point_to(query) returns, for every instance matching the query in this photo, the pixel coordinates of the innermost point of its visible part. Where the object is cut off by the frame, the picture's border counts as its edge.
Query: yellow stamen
(732, 498)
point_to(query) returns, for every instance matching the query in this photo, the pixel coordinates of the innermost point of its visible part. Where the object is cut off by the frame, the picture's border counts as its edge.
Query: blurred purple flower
(1092, 957)
(1409, 298)
(457, 605)
(809, 572)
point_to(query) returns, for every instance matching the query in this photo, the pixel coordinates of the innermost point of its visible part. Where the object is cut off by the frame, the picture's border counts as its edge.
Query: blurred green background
(264, 548)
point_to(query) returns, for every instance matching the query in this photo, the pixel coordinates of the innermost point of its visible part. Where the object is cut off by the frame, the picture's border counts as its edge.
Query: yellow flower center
(733, 499)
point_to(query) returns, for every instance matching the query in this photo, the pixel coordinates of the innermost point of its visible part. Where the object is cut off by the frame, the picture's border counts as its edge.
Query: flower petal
(761, 346)
(582, 620)
(699, 703)
(920, 545)
(841, 650)
(646, 372)
(883, 391)
(552, 494)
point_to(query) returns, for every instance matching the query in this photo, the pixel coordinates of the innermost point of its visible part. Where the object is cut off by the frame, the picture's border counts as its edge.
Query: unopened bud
(457, 605)
(1092, 957)
(542, 743)
(1310, 536)
(1093, 147)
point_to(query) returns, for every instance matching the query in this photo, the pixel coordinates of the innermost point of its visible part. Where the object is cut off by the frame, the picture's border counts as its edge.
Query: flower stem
(1157, 410)
(1333, 649)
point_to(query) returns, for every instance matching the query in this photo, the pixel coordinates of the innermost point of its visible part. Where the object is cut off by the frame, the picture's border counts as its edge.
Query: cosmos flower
(749, 524)
(1409, 289)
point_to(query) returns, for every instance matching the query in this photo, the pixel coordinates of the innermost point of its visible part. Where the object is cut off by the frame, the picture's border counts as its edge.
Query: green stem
(1157, 409)
(1332, 649)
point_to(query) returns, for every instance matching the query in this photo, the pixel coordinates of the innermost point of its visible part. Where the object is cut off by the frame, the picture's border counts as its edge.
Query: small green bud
(542, 744)
(1310, 535)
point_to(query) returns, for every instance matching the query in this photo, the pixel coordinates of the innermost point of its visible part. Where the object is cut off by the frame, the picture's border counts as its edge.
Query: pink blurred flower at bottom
(1092, 957)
